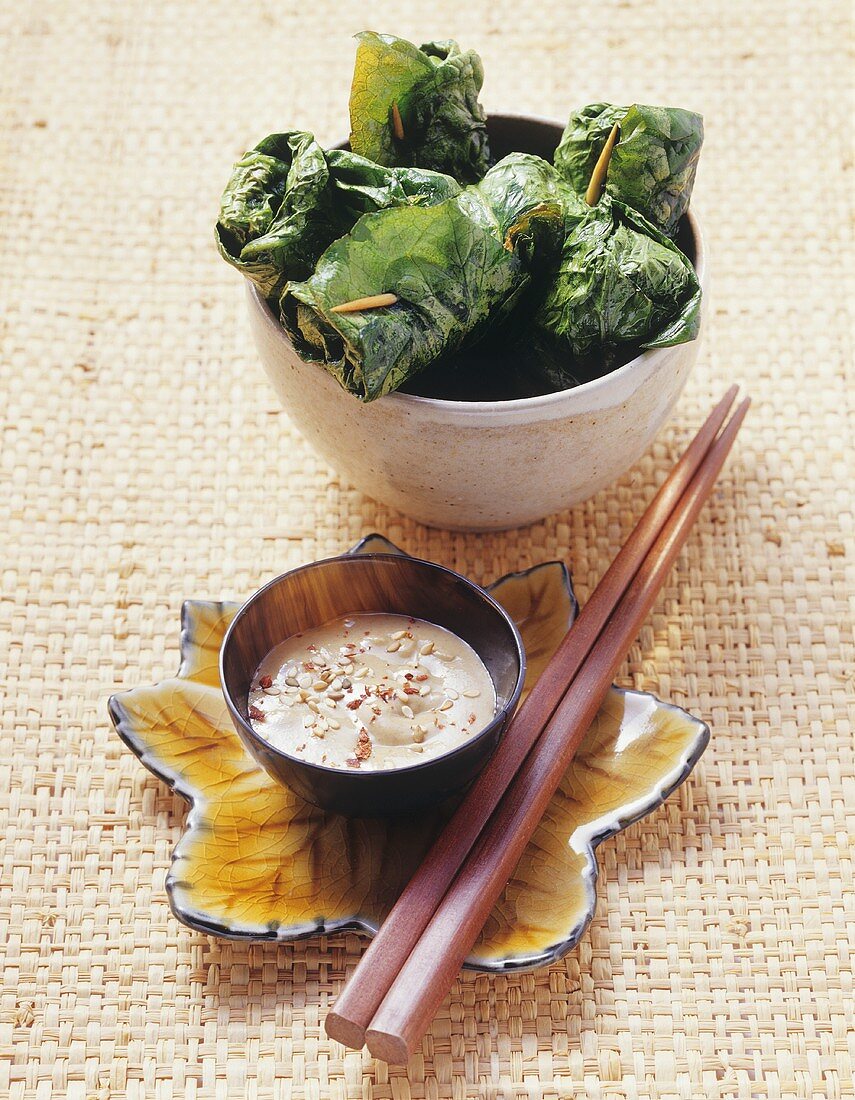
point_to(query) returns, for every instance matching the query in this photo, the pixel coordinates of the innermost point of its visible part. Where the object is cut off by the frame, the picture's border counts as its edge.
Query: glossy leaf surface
(653, 166)
(456, 269)
(287, 200)
(434, 90)
(584, 136)
(619, 283)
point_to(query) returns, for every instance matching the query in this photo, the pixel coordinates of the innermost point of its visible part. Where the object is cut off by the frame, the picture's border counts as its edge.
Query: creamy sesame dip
(371, 691)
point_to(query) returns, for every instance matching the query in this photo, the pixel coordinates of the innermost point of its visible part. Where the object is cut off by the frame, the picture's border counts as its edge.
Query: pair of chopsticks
(413, 960)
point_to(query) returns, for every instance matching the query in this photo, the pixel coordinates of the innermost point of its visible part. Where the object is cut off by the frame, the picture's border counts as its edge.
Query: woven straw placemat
(144, 459)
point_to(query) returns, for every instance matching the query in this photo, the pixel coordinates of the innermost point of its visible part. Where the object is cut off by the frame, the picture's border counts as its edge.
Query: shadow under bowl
(386, 583)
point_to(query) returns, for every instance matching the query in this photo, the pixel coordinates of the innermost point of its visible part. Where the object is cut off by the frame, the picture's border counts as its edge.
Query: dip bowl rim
(498, 721)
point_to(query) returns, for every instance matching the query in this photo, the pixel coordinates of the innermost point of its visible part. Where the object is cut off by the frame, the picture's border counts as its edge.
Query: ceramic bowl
(396, 584)
(256, 862)
(482, 465)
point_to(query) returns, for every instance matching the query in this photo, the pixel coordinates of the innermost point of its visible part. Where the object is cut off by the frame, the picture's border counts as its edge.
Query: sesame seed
(407, 711)
(471, 694)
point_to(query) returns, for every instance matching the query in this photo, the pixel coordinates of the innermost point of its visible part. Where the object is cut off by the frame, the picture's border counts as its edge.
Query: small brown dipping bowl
(315, 594)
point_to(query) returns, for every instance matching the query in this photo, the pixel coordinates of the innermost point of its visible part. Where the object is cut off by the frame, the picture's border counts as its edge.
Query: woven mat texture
(144, 460)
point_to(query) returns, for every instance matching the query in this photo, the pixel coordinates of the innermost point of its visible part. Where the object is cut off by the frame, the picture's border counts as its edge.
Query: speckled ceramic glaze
(486, 464)
(257, 862)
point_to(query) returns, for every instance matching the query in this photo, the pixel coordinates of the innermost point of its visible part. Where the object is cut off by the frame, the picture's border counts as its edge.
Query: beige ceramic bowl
(483, 465)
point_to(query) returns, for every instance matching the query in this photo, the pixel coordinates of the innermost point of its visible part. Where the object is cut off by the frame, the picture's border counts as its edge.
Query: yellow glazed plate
(257, 862)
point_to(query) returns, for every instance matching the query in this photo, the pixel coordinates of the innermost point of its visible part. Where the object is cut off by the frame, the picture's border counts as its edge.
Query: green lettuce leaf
(435, 89)
(287, 200)
(518, 185)
(653, 165)
(582, 142)
(457, 269)
(620, 284)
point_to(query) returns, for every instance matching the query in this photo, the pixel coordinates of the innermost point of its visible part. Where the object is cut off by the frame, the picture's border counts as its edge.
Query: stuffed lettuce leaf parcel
(419, 106)
(288, 199)
(619, 285)
(652, 167)
(451, 271)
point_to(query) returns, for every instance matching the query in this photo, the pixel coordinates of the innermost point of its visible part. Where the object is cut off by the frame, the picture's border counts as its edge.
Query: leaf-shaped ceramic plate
(257, 862)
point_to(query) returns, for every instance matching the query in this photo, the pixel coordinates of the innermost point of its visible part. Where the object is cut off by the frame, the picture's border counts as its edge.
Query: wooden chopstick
(434, 962)
(399, 933)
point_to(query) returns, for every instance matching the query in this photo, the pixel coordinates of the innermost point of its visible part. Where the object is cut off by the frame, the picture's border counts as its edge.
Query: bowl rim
(502, 715)
(545, 401)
